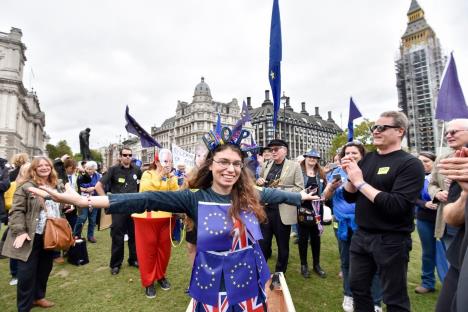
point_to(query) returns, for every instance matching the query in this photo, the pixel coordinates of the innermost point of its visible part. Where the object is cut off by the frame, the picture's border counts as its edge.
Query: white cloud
(91, 58)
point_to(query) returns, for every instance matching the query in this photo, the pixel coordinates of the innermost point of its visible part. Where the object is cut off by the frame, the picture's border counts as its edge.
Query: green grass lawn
(92, 288)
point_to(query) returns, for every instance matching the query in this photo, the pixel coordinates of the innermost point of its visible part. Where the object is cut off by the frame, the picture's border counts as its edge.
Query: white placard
(180, 156)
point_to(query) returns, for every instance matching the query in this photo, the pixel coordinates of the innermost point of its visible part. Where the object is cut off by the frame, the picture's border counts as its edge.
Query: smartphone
(336, 177)
(311, 190)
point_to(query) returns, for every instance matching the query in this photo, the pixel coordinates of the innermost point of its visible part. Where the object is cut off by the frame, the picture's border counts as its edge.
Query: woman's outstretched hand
(307, 196)
(68, 197)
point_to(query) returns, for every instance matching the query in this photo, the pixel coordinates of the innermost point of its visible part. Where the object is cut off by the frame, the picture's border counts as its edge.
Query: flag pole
(441, 138)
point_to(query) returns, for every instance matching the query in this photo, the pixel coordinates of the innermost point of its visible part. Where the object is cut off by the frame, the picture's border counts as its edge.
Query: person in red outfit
(153, 229)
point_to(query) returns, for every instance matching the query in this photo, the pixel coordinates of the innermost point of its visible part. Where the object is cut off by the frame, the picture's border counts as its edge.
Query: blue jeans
(85, 214)
(428, 244)
(343, 247)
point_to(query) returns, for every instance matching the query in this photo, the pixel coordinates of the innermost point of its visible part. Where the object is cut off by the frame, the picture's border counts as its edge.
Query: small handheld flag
(450, 101)
(133, 127)
(354, 113)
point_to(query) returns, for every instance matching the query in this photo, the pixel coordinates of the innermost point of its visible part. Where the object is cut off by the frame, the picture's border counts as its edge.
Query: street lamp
(284, 99)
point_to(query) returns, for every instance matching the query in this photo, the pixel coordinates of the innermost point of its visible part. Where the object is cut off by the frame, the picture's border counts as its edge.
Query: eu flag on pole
(133, 127)
(354, 113)
(450, 101)
(274, 71)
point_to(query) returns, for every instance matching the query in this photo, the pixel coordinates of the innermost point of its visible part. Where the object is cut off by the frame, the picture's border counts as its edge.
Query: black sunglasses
(126, 155)
(382, 128)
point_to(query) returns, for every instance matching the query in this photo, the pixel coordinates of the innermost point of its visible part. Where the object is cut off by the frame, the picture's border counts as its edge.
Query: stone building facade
(301, 130)
(419, 73)
(21, 120)
(193, 120)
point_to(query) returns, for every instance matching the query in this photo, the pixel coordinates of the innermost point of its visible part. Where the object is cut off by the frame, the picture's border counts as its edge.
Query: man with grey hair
(457, 137)
(384, 185)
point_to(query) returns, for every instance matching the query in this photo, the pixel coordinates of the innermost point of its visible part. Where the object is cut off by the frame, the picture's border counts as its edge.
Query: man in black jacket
(384, 186)
(121, 178)
(4, 186)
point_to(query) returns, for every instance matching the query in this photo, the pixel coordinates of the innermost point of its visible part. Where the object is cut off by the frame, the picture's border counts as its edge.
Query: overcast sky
(91, 58)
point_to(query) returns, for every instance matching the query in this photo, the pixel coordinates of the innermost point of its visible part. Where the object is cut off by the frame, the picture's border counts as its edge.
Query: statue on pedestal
(84, 144)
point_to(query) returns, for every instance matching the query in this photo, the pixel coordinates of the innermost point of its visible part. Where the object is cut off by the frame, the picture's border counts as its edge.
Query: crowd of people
(231, 211)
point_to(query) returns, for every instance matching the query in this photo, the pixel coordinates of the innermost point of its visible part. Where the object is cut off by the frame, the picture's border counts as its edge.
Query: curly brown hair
(244, 194)
(51, 180)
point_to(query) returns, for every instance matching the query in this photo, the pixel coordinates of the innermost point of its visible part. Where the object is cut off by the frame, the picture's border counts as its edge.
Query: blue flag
(133, 127)
(354, 113)
(218, 125)
(274, 70)
(450, 101)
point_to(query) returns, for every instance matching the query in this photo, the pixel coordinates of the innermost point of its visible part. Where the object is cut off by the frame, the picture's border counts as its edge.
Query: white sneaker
(293, 234)
(125, 238)
(377, 309)
(14, 281)
(348, 304)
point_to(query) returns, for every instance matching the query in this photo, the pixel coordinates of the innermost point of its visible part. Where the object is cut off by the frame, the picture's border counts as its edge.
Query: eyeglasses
(275, 149)
(224, 163)
(126, 155)
(382, 128)
(454, 131)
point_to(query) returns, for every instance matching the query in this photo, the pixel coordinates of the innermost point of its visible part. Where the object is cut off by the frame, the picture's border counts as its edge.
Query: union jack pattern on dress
(241, 239)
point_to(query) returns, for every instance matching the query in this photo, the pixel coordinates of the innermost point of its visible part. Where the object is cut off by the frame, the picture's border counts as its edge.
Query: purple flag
(133, 127)
(354, 113)
(245, 117)
(450, 101)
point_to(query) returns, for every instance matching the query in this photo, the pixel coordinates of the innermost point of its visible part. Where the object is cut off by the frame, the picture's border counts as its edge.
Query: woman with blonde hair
(25, 240)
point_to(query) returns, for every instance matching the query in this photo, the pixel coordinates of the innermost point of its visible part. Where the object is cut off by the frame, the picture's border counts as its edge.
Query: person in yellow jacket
(153, 228)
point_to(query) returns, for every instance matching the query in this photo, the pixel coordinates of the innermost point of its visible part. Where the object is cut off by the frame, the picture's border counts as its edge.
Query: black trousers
(274, 227)
(121, 225)
(306, 233)
(33, 275)
(388, 253)
(448, 294)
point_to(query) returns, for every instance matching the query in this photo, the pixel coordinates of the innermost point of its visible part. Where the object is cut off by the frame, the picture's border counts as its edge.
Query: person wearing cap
(286, 174)
(315, 181)
(266, 154)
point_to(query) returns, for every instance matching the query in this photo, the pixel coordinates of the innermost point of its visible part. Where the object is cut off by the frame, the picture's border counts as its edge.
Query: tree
(95, 155)
(362, 133)
(57, 151)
